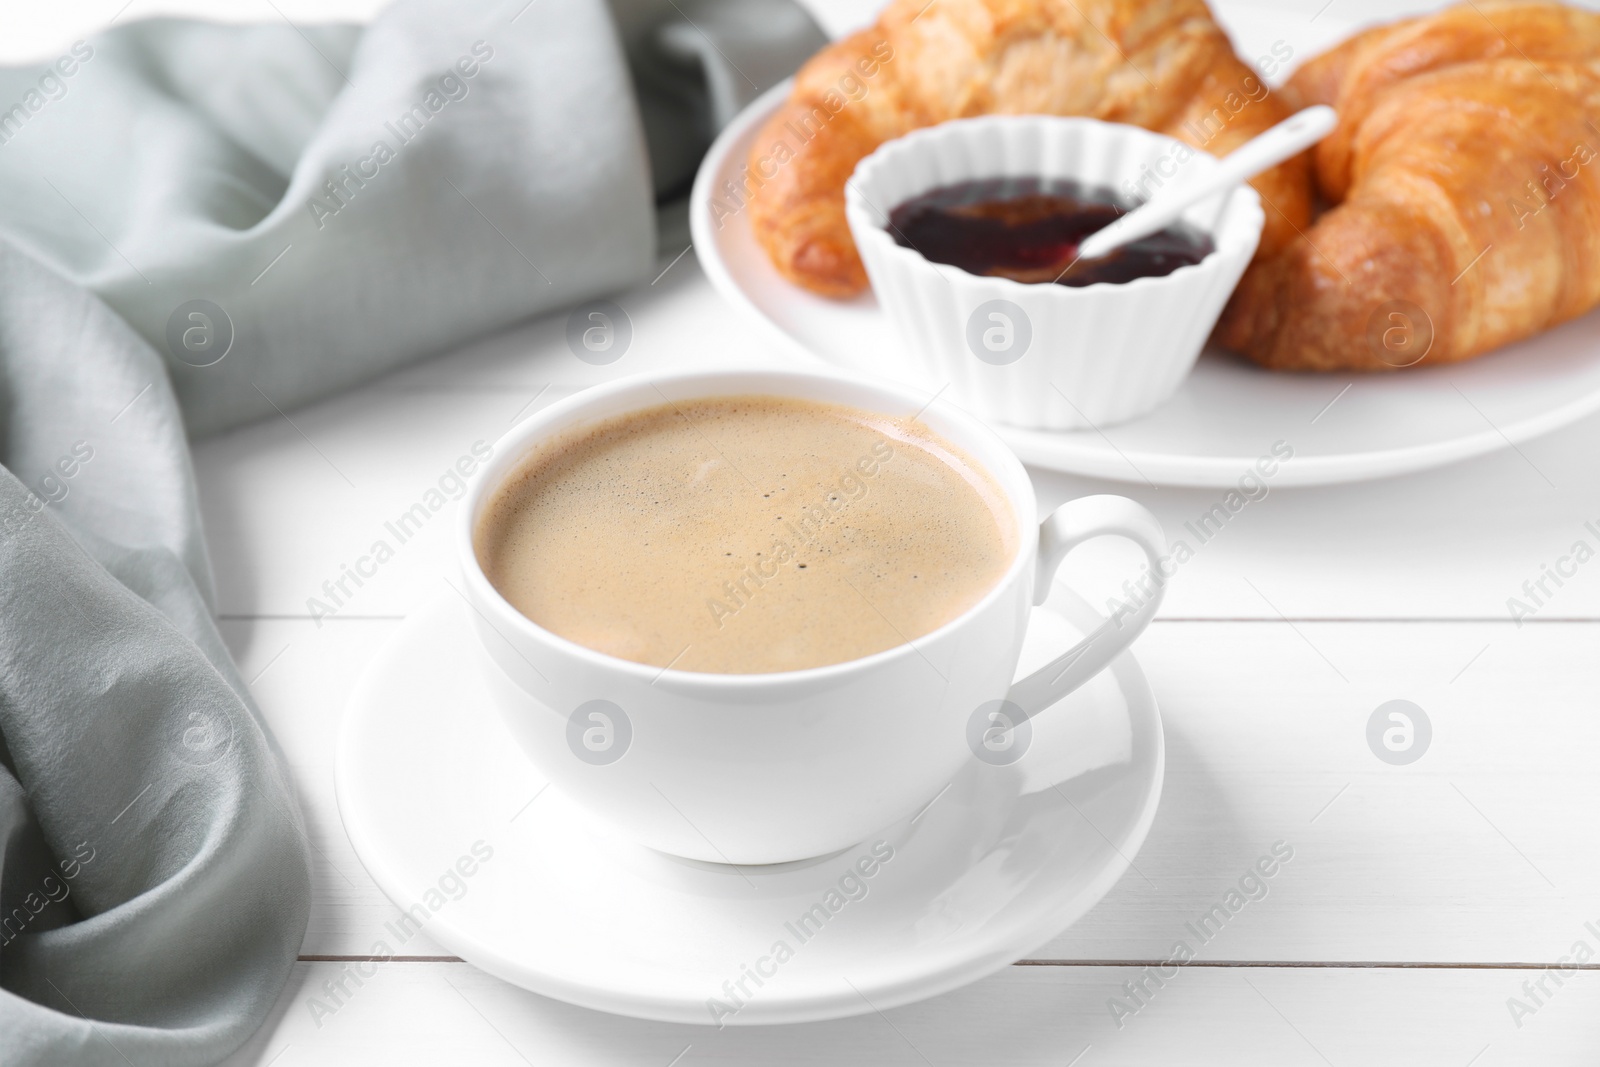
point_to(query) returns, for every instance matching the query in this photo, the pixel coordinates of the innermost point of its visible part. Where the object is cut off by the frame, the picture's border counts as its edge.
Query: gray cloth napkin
(202, 225)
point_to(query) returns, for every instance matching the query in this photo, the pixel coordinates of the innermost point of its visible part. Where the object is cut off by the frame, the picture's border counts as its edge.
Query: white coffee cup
(765, 768)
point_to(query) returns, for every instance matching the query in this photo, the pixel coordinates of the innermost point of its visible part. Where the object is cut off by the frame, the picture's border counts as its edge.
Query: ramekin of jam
(969, 233)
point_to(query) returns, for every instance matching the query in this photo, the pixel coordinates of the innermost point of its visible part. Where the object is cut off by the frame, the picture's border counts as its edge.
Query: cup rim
(982, 443)
(1241, 203)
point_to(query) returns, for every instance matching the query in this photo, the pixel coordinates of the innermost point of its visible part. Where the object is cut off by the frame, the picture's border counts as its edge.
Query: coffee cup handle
(1069, 526)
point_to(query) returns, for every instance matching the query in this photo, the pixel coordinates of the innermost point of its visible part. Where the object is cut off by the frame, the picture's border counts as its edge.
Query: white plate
(1226, 415)
(995, 866)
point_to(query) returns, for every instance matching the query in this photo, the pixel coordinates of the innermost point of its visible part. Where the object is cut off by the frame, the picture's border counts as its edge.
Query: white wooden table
(1420, 898)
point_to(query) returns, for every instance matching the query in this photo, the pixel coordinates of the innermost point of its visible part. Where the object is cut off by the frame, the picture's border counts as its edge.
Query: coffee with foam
(745, 534)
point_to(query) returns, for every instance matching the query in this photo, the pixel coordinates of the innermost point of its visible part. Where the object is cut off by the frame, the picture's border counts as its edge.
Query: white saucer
(1228, 413)
(994, 867)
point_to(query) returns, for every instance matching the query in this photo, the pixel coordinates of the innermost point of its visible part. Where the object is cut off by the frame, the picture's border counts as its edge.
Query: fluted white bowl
(1048, 356)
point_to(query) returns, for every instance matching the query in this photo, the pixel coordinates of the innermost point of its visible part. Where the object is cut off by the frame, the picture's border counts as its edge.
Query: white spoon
(1294, 134)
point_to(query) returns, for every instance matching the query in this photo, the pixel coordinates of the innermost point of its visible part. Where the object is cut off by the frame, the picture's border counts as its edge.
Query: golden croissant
(1465, 179)
(1161, 64)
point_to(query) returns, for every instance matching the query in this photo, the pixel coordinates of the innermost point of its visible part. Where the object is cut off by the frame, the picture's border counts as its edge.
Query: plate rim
(951, 971)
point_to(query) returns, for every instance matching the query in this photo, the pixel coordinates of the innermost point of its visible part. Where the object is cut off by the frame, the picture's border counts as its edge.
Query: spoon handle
(1293, 135)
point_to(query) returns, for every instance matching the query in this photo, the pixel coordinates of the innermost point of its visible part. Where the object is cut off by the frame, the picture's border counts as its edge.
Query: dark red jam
(1028, 230)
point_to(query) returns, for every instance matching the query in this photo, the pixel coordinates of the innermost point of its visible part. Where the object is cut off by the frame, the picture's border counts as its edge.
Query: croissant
(1466, 191)
(1161, 64)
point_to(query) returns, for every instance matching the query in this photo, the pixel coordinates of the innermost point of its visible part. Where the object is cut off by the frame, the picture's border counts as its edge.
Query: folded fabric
(229, 221)
(341, 202)
(153, 885)
(334, 203)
